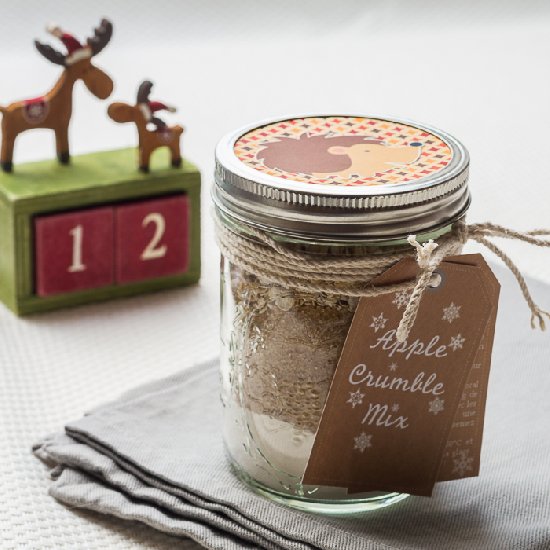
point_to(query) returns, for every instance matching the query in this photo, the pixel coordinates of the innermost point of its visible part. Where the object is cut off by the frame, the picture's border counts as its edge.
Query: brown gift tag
(399, 417)
(461, 457)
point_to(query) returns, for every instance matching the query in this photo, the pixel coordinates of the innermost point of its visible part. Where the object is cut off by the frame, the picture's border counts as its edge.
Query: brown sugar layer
(286, 344)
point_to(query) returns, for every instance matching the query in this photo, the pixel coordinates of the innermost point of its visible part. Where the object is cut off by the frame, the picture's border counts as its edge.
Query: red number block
(152, 239)
(74, 251)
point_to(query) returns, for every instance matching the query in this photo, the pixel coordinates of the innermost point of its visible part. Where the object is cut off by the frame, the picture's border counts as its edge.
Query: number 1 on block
(74, 250)
(77, 265)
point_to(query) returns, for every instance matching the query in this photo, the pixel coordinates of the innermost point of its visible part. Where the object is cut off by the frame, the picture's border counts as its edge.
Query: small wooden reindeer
(53, 110)
(142, 114)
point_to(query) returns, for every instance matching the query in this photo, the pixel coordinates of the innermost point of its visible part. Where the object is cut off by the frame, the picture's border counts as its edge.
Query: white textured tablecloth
(477, 69)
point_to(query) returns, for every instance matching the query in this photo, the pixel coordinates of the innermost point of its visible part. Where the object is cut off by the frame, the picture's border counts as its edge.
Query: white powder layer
(275, 454)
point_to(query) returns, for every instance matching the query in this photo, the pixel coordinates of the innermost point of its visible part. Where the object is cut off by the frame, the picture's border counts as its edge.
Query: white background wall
(479, 70)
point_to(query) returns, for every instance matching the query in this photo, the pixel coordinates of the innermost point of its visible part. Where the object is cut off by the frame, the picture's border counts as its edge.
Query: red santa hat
(159, 106)
(75, 50)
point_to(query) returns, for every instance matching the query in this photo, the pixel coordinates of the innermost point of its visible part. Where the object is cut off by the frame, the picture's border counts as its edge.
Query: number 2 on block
(153, 251)
(77, 234)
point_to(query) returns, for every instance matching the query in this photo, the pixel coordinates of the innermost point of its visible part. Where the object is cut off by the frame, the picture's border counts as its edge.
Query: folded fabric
(156, 456)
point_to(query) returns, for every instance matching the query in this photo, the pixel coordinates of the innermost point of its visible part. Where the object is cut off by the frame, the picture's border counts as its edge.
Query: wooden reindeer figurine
(142, 114)
(54, 109)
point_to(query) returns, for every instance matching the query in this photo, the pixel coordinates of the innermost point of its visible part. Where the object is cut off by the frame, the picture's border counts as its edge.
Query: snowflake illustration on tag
(462, 463)
(457, 342)
(378, 322)
(401, 298)
(395, 407)
(393, 367)
(451, 312)
(436, 405)
(355, 398)
(362, 442)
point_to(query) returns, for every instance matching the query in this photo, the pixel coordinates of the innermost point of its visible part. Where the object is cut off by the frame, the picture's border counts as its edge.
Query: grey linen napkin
(156, 456)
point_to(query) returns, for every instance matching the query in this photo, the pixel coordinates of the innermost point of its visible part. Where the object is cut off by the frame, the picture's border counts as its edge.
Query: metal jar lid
(341, 177)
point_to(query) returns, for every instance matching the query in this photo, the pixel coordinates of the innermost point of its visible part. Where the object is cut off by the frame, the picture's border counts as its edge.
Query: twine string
(274, 262)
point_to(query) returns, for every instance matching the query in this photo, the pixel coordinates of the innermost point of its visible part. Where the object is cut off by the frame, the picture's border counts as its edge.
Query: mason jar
(320, 187)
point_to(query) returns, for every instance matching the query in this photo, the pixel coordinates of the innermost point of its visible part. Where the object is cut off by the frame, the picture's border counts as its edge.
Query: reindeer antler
(144, 91)
(50, 53)
(102, 35)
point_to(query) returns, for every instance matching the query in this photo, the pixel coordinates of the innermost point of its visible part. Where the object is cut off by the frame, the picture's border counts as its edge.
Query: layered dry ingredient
(282, 349)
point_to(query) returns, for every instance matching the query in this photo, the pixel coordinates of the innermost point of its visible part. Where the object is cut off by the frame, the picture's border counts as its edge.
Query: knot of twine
(273, 261)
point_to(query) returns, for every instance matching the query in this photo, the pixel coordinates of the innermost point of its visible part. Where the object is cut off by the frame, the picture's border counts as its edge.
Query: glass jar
(281, 343)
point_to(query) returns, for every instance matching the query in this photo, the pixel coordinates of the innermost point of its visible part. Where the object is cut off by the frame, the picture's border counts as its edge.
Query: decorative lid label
(344, 151)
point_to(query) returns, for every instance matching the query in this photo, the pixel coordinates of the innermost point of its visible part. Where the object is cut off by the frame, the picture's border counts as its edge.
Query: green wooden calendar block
(128, 232)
